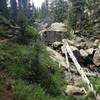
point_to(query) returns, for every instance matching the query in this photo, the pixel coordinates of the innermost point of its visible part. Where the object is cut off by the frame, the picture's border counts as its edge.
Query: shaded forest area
(27, 71)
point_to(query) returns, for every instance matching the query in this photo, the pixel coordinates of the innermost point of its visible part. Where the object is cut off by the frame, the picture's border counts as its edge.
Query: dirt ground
(5, 86)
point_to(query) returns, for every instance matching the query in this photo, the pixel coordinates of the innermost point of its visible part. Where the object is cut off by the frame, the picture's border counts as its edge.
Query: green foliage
(82, 84)
(76, 14)
(32, 64)
(5, 55)
(90, 96)
(69, 97)
(69, 34)
(93, 9)
(4, 26)
(38, 71)
(13, 9)
(3, 8)
(83, 16)
(59, 9)
(96, 82)
(23, 91)
(28, 35)
(32, 33)
(4, 20)
(58, 77)
(21, 18)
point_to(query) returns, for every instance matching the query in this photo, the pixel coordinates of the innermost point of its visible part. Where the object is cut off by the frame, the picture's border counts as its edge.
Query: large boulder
(80, 39)
(81, 45)
(96, 58)
(98, 47)
(56, 45)
(83, 53)
(90, 51)
(96, 42)
(98, 97)
(74, 90)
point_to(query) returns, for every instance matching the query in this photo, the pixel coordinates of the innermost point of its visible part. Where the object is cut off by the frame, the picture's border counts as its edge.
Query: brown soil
(5, 86)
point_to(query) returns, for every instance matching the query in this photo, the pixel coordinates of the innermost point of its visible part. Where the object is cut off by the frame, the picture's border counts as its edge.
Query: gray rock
(96, 58)
(80, 39)
(83, 53)
(74, 90)
(90, 51)
(56, 44)
(96, 42)
(98, 47)
(80, 45)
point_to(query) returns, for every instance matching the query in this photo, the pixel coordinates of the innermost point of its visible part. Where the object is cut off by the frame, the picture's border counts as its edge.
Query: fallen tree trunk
(80, 70)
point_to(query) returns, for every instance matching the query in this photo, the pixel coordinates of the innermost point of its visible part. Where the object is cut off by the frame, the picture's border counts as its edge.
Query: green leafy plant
(28, 35)
(23, 91)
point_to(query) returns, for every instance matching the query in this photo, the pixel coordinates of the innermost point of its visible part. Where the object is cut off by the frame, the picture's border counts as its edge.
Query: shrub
(23, 91)
(58, 78)
(96, 83)
(38, 71)
(90, 96)
(30, 64)
(70, 97)
(28, 35)
(81, 83)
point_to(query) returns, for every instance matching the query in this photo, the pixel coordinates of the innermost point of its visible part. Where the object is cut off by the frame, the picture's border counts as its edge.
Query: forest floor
(5, 87)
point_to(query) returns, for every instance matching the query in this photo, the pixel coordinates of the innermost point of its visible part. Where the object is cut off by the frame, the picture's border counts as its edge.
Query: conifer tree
(13, 9)
(76, 14)
(3, 8)
(58, 10)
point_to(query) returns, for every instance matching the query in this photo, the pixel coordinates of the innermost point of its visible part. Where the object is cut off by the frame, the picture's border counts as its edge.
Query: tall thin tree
(13, 9)
(3, 8)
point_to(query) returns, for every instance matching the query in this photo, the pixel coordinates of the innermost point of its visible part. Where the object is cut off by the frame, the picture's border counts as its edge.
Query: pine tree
(22, 17)
(76, 14)
(94, 9)
(13, 9)
(3, 8)
(44, 10)
(19, 4)
(58, 10)
(23, 3)
(92, 19)
(33, 13)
